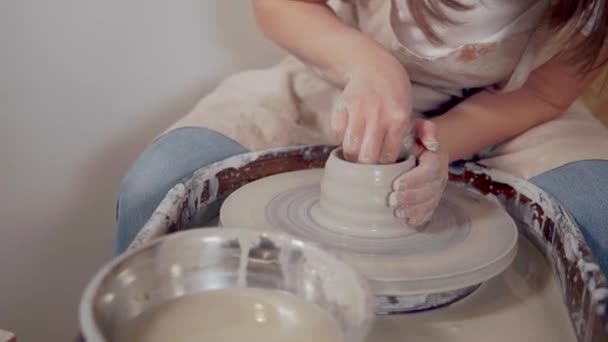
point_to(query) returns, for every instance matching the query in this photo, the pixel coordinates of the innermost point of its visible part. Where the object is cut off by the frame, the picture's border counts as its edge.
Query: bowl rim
(90, 329)
(337, 155)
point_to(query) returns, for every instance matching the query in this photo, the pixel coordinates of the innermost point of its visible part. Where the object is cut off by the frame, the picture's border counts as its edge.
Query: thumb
(427, 134)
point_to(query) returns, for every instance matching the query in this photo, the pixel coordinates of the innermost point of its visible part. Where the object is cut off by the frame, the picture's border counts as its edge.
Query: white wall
(84, 85)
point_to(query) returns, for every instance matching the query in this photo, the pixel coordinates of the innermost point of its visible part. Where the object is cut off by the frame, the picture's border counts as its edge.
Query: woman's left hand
(417, 192)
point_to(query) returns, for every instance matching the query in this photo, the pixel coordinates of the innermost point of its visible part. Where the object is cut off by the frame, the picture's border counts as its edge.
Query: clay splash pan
(343, 208)
(542, 221)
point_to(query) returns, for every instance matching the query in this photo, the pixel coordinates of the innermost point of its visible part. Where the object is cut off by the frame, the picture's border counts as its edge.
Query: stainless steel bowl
(210, 259)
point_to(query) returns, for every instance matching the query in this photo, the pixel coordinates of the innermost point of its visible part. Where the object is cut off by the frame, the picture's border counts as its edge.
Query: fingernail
(432, 145)
(348, 140)
(408, 142)
(399, 185)
(392, 200)
(365, 160)
(385, 159)
(400, 213)
(340, 106)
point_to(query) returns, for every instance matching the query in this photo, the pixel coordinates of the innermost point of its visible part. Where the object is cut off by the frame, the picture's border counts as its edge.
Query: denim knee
(582, 188)
(167, 161)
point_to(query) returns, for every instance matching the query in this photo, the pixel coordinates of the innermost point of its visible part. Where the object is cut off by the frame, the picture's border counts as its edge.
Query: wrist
(369, 58)
(376, 60)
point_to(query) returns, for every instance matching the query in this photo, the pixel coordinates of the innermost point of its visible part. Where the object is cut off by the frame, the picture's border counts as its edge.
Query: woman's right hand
(373, 115)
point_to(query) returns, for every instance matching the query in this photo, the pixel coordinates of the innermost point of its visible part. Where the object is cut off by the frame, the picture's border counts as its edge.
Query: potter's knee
(581, 187)
(141, 191)
(137, 188)
(139, 195)
(169, 160)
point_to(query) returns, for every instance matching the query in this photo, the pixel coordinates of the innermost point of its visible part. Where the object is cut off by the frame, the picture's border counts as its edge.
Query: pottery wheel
(469, 239)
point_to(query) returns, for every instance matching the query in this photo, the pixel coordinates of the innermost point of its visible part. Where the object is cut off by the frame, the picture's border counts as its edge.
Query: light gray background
(84, 85)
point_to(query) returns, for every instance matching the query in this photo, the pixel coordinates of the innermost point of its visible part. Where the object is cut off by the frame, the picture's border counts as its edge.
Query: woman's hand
(374, 114)
(417, 192)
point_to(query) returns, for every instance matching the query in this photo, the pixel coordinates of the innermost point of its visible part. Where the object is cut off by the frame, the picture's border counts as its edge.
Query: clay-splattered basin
(541, 220)
(202, 260)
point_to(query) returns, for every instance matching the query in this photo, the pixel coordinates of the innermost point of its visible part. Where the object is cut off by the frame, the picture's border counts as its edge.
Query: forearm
(313, 33)
(488, 118)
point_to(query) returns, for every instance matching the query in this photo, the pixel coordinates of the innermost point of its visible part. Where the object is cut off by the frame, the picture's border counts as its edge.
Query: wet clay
(523, 304)
(234, 315)
(354, 198)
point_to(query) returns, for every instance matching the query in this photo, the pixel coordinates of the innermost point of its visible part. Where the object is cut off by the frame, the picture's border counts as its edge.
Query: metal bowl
(200, 260)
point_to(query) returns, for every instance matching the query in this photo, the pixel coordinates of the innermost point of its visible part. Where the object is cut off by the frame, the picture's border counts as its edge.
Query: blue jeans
(581, 187)
(168, 160)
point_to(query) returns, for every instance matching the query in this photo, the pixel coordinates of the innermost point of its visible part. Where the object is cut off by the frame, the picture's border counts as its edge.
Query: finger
(400, 213)
(413, 197)
(392, 144)
(427, 171)
(372, 141)
(354, 132)
(408, 142)
(420, 220)
(428, 216)
(339, 119)
(417, 149)
(416, 215)
(427, 134)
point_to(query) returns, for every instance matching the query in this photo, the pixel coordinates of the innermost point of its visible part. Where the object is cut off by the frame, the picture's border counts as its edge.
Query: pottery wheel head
(296, 211)
(469, 239)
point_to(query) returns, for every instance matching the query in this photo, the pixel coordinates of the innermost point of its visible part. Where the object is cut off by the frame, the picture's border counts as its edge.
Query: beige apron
(289, 104)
